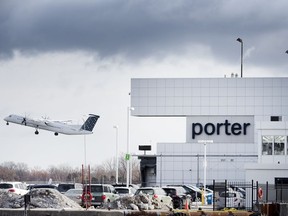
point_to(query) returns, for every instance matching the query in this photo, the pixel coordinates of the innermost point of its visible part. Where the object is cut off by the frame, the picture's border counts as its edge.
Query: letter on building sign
(245, 127)
(212, 128)
(227, 127)
(198, 132)
(236, 129)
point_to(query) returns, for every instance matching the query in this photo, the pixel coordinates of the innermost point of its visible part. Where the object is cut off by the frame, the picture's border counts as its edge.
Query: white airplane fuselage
(54, 126)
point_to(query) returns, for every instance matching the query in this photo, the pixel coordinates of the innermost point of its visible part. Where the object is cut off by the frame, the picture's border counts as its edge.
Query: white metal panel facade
(218, 109)
(209, 96)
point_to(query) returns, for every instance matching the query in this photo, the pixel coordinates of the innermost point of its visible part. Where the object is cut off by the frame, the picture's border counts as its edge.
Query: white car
(14, 187)
(208, 194)
(234, 199)
(75, 194)
(125, 191)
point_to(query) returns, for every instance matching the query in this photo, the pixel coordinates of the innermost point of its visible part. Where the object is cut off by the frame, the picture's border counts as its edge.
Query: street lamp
(205, 164)
(241, 41)
(117, 161)
(129, 109)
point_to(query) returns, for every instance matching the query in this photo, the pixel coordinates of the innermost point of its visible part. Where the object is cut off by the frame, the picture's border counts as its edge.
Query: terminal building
(239, 126)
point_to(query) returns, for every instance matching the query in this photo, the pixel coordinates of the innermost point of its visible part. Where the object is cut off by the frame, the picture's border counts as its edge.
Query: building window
(267, 143)
(281, 183)
(274, 145)
(279, 145)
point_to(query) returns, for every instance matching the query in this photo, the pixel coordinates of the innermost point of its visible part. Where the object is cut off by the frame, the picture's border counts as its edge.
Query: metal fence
(276, 193)
(251, 194)
(240, 195)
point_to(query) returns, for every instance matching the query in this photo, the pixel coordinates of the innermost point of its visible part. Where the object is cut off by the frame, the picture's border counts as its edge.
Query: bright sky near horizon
(66, 59)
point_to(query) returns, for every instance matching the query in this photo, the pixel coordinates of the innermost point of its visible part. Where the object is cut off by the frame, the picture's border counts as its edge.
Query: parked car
(75, 195)
(32, 186)
(63, 187)
(234, 199)
(193, 191)
(98, 194)
(217, 189)
(125, 191)
(239, 189)
(179, 196)
(157, 194)
(125, 185)
(14, 187)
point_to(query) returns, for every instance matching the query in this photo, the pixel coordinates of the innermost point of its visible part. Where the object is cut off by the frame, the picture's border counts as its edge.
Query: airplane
(62, 127)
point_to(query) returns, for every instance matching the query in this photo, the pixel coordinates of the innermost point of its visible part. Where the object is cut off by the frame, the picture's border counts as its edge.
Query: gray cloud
(144, 28)
(182, 38)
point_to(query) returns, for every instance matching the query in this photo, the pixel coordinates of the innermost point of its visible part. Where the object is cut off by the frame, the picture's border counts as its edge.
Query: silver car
(75, 195)
(156, 194)
(98, 194)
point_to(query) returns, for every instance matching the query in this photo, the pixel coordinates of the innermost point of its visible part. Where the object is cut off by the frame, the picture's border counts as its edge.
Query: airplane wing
(53, 124)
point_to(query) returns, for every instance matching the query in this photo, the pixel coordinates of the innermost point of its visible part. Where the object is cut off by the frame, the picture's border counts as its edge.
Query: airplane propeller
(24, 121)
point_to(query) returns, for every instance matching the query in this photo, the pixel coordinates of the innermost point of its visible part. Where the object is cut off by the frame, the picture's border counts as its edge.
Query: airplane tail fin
(90, 122)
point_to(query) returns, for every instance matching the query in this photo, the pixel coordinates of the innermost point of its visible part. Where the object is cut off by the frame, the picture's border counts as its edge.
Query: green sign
(127, 157)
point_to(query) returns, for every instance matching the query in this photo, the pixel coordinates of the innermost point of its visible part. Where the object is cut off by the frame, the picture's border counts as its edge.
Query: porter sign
(210, 128)
(221, 129)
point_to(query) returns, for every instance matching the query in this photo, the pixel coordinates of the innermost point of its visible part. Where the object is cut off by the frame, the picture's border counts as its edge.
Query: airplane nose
(7, 118)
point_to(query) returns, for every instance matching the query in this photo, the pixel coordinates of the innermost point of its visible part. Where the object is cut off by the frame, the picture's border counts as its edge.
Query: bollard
(27, 200)
(202, 197)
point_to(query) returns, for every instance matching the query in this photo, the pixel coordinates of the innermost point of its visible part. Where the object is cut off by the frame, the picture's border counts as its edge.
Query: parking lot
(169, 200)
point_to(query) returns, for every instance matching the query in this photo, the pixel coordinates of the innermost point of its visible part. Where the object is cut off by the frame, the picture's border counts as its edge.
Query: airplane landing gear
(36, 132)
(56, 134)
(7, 123)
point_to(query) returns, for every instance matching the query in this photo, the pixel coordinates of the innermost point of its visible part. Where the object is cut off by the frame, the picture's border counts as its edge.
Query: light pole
(117, 161)
(205, 165)
(241, 41)
(129, 109)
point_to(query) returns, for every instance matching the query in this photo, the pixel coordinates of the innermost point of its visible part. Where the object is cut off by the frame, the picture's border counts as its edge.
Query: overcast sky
(66, 59)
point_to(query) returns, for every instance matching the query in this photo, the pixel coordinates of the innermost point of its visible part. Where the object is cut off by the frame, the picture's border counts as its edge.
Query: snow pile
(40, 198)
(53, 199)
(10, 200)
(137, 202)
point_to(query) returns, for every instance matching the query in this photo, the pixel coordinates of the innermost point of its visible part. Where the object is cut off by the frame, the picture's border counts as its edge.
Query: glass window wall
(274, 145)
(267, 143)
(279, 145)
